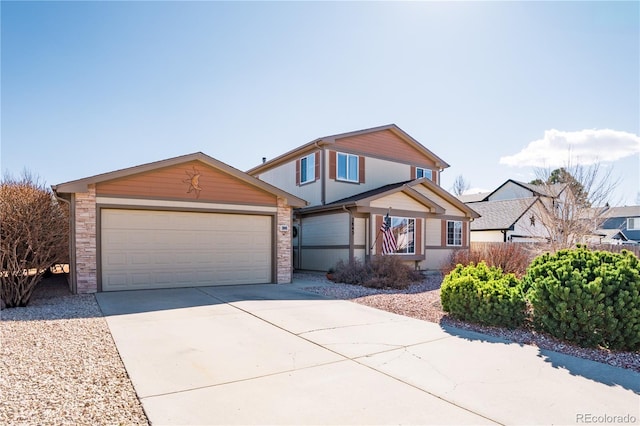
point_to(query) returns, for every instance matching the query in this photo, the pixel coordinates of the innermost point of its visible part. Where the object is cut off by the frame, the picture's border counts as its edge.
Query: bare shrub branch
(34, 232)
(576, 201)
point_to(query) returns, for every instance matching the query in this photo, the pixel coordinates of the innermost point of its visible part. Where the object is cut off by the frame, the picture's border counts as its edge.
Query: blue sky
(493, 88)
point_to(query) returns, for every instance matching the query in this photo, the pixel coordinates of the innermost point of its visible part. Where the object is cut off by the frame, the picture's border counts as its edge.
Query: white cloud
(558, 148)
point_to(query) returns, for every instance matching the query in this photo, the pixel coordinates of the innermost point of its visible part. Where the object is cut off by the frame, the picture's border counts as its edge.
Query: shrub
(483, 294)
(588, 297)
(381, 272)
(510, 257)
(33, 236)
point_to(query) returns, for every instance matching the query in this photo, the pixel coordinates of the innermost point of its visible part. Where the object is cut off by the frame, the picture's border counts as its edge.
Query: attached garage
(183, 222)
(143, 249)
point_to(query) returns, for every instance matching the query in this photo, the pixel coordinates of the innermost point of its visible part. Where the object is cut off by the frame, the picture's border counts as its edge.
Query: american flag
(389, 244)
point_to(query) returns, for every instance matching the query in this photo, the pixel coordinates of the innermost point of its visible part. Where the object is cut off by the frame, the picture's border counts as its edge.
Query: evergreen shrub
(485, 295)
(591, 298)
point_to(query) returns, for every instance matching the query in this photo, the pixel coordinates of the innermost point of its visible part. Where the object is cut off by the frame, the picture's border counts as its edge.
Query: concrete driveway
(275, 354)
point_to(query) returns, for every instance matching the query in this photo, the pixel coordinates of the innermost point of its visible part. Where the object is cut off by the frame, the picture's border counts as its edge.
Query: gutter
(72, 232)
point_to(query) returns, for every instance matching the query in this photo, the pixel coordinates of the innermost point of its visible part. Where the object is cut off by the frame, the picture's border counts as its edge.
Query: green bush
(588, 297)
(483, 294)
(381, 272)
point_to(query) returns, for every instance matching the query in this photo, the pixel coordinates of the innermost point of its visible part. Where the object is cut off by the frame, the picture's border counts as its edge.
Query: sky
(499, 90)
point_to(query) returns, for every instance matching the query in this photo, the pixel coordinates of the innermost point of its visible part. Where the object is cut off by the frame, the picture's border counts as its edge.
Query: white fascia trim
(183, 204)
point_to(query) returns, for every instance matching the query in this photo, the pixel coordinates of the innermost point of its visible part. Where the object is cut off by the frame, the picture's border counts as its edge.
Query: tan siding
(173, 183)
(325, 230)
(386, 144)
(436, 258)
(398, 201)
(433, 232)
(322, 259)
(359, 231)
(450, 209)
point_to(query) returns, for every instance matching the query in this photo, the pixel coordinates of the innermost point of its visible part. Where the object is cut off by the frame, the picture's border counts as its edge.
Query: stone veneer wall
(284, 264)
(85, 244)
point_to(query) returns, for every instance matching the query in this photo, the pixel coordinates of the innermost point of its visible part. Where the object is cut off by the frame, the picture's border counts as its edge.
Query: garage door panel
(155, 249)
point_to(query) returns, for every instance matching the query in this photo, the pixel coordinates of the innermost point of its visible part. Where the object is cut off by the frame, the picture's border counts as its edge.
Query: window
(454, 233)
(347, 166)
(633, 223)
(308, 169)
(404, 231)
(426, 173)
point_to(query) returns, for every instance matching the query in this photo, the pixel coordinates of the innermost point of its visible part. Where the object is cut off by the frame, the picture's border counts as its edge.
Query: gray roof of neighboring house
(623, 211)
(547, 190)
(612, 212)
(610, 234)
(501, 214)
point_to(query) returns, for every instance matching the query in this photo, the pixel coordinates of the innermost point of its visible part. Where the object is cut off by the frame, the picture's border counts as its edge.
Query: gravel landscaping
(422, 301)
(59, 364)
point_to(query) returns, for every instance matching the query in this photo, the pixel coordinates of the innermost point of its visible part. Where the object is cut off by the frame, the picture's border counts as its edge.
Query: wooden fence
(536, 248)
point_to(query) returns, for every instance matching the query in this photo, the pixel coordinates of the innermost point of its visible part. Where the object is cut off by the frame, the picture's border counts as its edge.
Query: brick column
(283, 244)
(86, 278)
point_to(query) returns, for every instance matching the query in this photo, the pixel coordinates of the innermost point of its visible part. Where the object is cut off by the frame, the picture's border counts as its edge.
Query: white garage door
(159, 249)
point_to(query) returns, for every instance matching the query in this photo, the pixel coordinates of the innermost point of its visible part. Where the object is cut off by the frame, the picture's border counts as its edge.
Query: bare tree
(460, 185)
(575, 199)
(34, 232)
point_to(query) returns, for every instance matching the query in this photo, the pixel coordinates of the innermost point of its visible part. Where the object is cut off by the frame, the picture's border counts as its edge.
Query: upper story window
(424, 173)
(454, 233)
(633, 223)
(347, 167)
(308, 169)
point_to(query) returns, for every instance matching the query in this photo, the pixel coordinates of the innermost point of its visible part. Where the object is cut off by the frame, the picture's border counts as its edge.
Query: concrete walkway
(275, 354)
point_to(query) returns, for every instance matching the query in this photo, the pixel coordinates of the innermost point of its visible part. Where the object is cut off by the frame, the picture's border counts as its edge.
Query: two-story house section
(620, 224)
(351, 182)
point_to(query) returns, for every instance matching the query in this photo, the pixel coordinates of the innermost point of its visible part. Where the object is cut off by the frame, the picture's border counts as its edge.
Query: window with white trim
(422, 172)
(347, 167)
(403, 229)
(454, 233)
(308, 169)
(633, 223)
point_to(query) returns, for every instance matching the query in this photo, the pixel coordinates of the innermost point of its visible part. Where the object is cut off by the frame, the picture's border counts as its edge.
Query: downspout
(73, 287)
(300, 243)
(323, 189)
(351, 224)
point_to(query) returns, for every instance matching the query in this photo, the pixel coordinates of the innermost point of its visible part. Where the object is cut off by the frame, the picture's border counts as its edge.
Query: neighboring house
(513, 189)
(512, 212)
(507, 220)
(351, 181)
(185, 221)
(620, 225)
